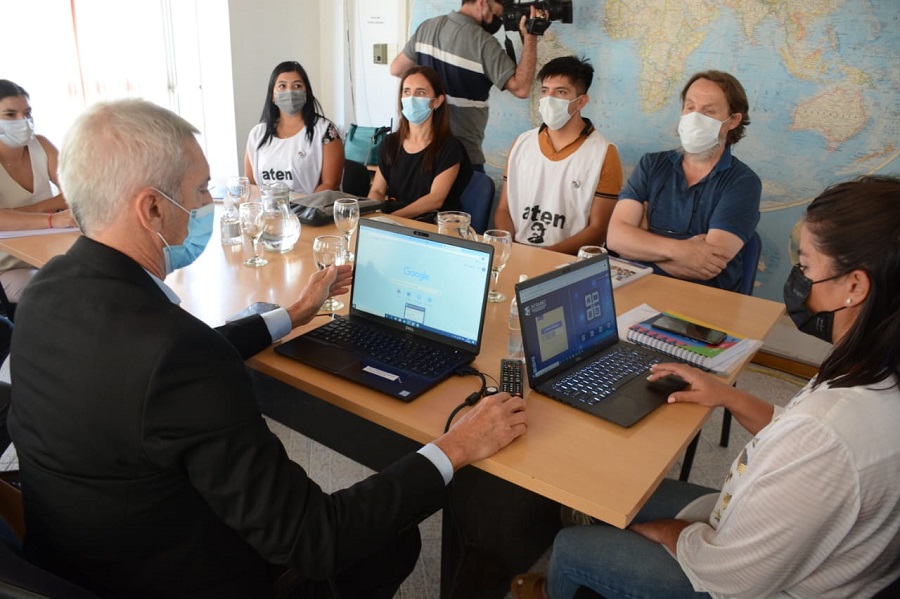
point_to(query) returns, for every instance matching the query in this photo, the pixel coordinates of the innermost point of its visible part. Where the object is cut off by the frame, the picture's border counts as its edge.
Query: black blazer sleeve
(248, 335)
(203, 420)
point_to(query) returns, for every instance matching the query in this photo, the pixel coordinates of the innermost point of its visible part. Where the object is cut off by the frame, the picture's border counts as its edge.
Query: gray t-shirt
(469, 60)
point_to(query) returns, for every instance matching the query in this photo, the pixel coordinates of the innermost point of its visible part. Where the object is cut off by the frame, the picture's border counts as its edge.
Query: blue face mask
(415, 109)
(200, 226)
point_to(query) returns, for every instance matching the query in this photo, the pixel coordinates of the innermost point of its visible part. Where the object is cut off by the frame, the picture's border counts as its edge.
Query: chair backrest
(356, 179)
(750, 253)
(477, 199)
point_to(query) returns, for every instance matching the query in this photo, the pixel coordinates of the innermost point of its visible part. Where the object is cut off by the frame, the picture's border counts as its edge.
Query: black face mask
(494, 26)
(796, 291)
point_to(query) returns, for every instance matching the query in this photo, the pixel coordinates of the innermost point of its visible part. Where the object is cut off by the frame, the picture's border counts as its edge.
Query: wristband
(50, 220)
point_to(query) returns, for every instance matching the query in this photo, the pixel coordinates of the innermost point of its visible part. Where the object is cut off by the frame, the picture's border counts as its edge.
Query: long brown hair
(857, 225)
(440, 121)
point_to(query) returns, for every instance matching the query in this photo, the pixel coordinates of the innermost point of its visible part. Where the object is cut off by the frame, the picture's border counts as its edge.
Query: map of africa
(822, 78)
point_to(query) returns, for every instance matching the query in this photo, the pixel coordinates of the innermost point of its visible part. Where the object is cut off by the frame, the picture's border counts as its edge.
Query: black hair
(578, 70)
(9, 89)
(857, 225)
(311, 111)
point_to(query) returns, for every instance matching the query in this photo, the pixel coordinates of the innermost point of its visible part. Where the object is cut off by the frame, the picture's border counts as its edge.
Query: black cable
(471, 400)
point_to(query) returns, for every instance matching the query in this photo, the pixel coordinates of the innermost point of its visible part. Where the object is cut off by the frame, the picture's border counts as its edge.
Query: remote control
(511, 376)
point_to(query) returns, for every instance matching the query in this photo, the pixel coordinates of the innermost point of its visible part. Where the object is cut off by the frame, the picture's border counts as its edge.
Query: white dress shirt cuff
(440, 460)
(278, 321)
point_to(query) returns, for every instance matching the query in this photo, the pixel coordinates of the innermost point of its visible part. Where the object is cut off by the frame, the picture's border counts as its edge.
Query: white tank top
(295, 161)
(550, 201)
(13, 195)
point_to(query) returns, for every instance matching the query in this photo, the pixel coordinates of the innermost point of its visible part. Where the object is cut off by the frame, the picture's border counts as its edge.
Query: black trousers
(377, 576)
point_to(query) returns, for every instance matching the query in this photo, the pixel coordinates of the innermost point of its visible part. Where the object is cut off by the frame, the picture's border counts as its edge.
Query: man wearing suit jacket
(147, 468)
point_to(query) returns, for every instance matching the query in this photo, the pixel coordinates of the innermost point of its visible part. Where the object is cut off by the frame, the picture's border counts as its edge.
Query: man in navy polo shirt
(688, 212)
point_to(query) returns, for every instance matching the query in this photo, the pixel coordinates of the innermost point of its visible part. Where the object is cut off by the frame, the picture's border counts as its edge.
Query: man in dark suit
(147, 468)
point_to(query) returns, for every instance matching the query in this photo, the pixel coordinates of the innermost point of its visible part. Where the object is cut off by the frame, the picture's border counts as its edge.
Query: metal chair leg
(726, 428)
(689, 458)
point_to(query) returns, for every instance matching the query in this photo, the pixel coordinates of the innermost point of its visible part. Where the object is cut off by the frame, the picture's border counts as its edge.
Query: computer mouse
(668, 384)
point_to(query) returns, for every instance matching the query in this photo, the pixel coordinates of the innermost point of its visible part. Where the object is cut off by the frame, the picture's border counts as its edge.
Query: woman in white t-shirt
(27, 166)
(811, 506)
(293, 143)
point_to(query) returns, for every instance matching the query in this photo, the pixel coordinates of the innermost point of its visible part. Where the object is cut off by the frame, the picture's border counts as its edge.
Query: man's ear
(146, 206)
(736, 119)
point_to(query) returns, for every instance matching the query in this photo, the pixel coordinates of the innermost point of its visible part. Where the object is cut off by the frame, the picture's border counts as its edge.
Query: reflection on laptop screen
(567, 316)
(420, 282)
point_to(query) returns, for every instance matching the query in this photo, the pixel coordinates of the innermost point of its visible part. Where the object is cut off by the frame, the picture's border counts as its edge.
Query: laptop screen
(428, 283)
(565, 315)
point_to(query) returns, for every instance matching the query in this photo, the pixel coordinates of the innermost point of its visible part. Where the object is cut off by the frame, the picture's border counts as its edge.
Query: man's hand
(696, 259)
(334, 280)
(484, 430)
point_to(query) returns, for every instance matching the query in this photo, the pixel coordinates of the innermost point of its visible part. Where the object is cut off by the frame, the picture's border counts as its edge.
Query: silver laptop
(417, 311)
(572, 347)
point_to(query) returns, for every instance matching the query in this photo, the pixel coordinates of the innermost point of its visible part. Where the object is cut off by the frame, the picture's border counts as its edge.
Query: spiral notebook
(716, 358)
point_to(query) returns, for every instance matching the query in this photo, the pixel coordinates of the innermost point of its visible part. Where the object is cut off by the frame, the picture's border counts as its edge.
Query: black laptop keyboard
(399, 351)
(598, 380)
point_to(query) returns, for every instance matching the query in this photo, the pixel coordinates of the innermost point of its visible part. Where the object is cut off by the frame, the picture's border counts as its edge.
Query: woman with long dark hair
(811, 506)
(293, 142)
(422, 167)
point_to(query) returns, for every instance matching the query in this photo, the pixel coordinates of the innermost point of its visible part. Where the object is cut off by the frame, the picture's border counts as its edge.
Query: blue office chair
(477, 199)
(750, 254)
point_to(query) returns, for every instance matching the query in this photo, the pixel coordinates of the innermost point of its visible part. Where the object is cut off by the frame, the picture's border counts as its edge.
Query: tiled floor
(333, 471)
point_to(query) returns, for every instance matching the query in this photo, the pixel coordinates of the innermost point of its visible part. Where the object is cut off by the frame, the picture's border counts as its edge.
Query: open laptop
(416, 311)
(572, 348)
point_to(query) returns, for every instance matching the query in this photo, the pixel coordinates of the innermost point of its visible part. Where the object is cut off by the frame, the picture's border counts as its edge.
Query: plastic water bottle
(514, 343)
(230, 223)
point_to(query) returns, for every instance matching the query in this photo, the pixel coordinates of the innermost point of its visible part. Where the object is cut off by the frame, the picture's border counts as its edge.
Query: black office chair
(750, 254)
(7, 308)
(356, 179)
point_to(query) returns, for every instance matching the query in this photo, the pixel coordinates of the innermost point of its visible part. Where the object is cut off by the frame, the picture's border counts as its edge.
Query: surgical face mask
(416, 109)
(290, 101)
(796, 291)
(555, 111)
(200, 226)
(699, 132)
(16, 133)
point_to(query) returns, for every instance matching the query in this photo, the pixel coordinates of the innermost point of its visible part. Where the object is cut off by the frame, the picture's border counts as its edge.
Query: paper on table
(32, 232)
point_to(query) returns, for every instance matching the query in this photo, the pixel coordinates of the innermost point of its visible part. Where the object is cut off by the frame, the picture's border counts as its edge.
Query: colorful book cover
(685, 348)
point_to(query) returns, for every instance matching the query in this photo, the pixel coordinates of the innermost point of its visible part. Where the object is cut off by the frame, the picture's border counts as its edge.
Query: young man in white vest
(563, 178)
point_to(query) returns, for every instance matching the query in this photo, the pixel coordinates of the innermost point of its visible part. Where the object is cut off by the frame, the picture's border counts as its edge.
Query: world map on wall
(822, 80)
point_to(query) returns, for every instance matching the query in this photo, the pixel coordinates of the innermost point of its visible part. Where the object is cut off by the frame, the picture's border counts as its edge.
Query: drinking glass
(252, 225)
(346, 217)
(502, 242)
(238, 189)
(328, 250)
(456, 224)
(589, 251)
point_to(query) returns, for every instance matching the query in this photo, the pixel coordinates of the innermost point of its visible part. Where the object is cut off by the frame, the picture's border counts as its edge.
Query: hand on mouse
(703, 389)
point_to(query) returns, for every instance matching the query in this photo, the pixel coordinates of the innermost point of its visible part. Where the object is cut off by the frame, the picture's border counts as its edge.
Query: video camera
(554, 10)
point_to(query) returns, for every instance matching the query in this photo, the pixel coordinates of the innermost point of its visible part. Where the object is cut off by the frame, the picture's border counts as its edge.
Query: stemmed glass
(346, 217)
(502, 242)
(328, 250)
(252, 225)
(238, 189)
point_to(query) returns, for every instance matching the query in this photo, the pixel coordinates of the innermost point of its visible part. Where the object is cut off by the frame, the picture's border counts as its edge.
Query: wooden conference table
(506, 506)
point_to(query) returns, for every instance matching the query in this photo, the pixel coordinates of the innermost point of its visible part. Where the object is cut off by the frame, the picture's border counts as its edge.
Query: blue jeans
(620, 564)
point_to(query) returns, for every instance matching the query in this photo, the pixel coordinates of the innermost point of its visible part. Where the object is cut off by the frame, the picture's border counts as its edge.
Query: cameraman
(462, 48)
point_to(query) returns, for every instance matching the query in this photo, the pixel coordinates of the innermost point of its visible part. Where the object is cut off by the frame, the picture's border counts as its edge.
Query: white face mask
(699, 132)
(555, 111)
(17, 133)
